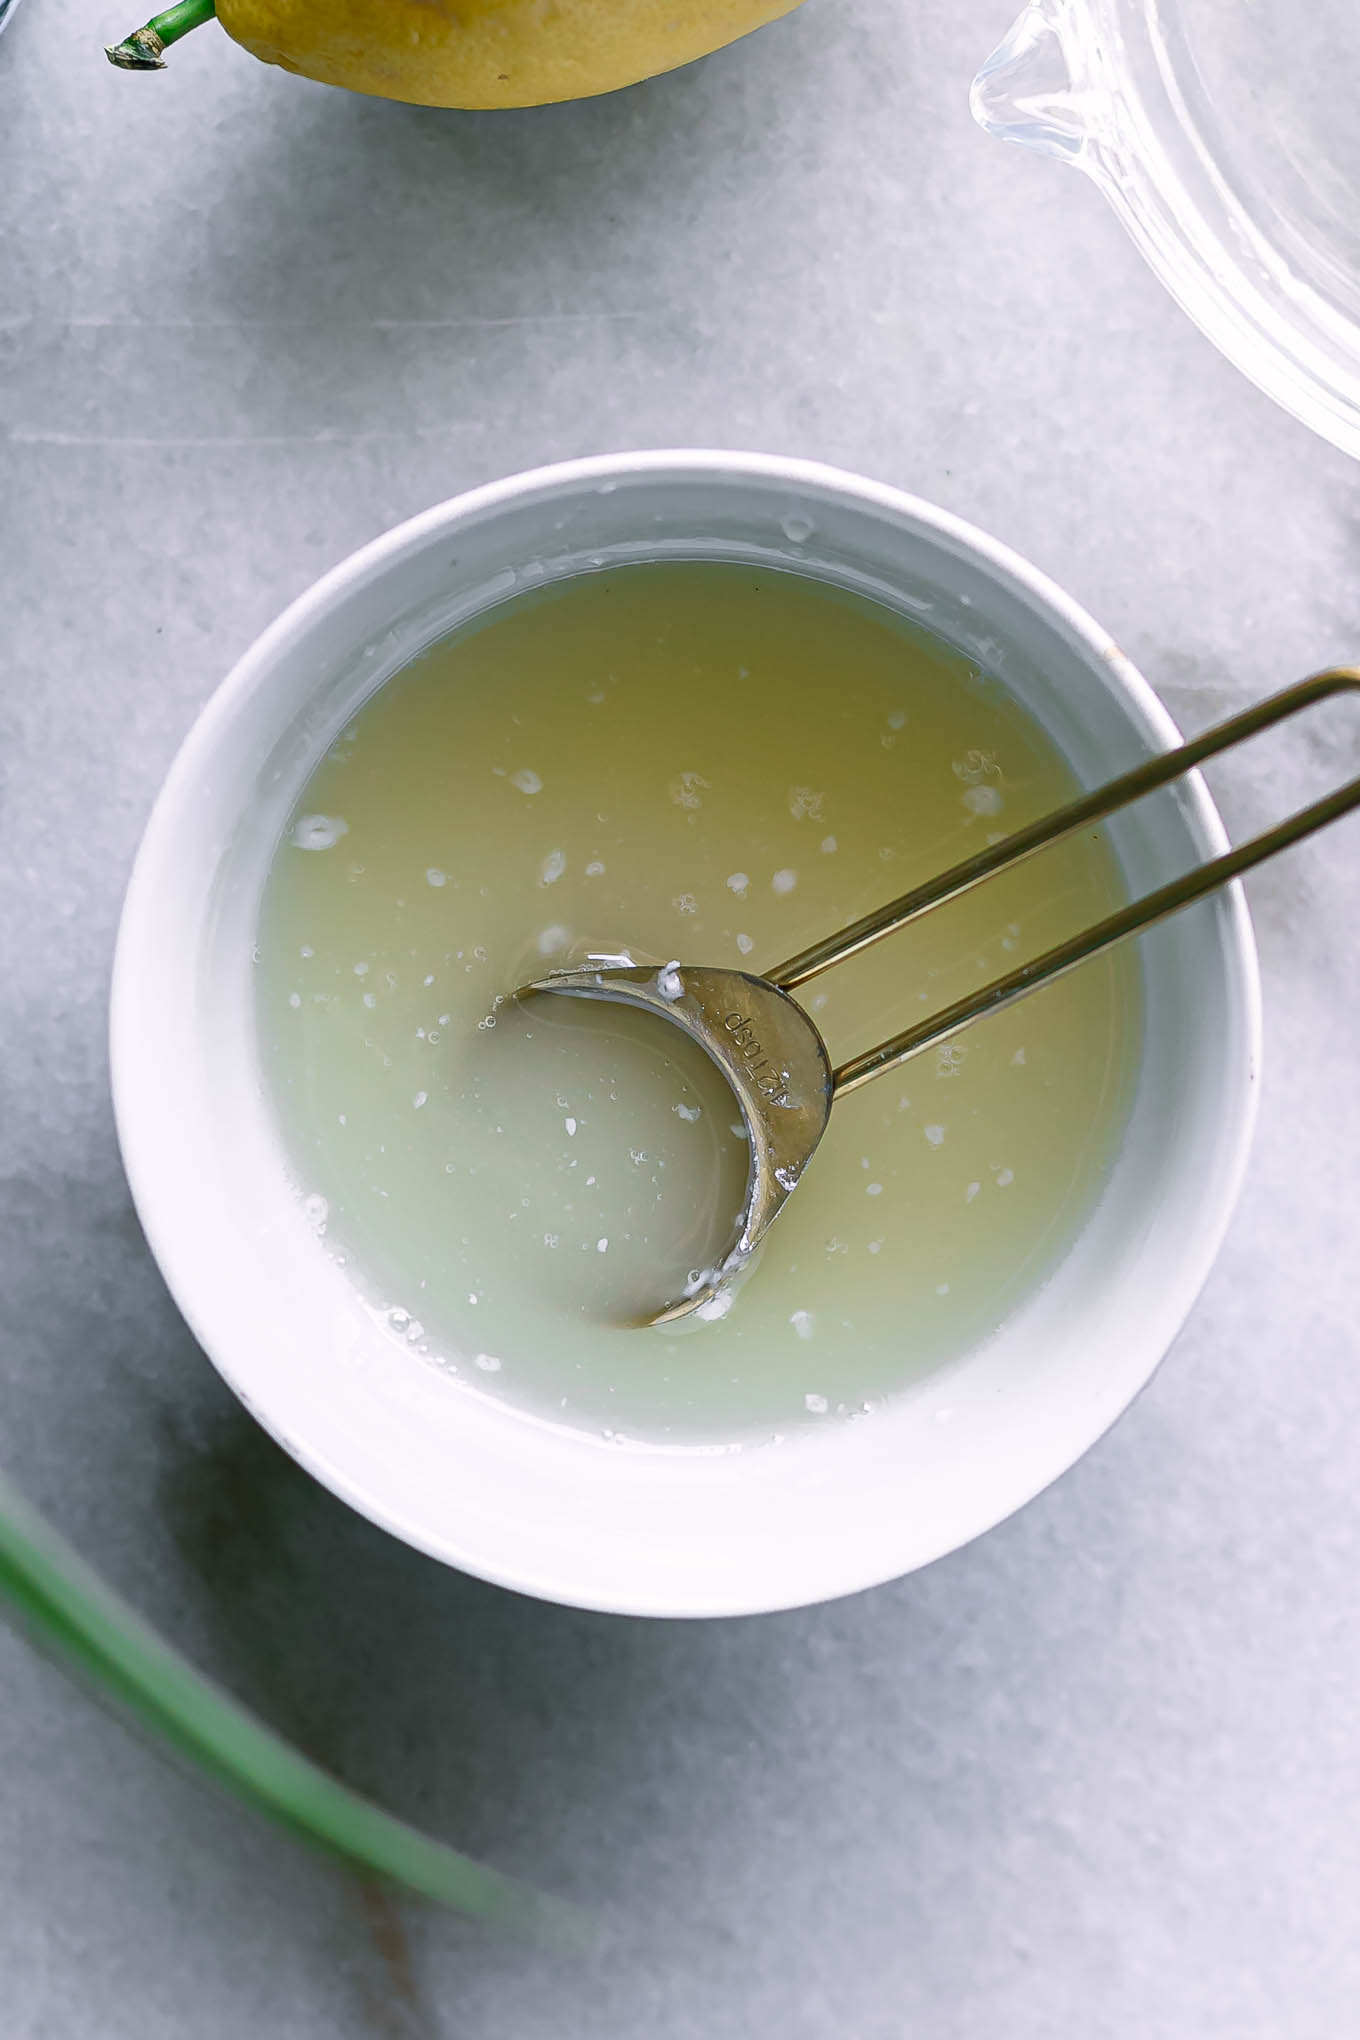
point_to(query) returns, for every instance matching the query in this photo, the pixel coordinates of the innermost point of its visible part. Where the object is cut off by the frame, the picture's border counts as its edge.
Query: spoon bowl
(780, 1073)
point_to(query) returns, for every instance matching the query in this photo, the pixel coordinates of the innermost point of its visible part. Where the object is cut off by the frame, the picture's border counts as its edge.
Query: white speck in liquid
(316, 1211)
(816, 1404)
(942, 1289)
(685, 903)
(489, 1363)
(1019, 1058)
(688, 790)
(737, 882)
(983, 800)
(829, 845)
(552, 867)
(803, 1323)
(689, 1113)
(295, 998)
(873, 1189)
(896, 719)
(1005, 1179)
(805, 803)
(595, 869)
(421, 1098)
(434, 876)
(602, 1246)
(570, 1125)
(526, 781)
(745, 944)
(669, 982)
(361, 970)
(934, 1134)
(551, 942)
(784, 881)
(971, 1192)
(319, 832)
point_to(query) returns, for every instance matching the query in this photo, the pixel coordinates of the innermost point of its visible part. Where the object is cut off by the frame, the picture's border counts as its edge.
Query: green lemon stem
(141, 51)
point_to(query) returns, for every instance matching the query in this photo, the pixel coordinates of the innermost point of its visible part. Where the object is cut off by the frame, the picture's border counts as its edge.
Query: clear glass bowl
(1224, 134)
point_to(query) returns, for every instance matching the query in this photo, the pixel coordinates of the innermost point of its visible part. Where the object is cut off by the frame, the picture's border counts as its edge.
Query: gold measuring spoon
(771, 1052)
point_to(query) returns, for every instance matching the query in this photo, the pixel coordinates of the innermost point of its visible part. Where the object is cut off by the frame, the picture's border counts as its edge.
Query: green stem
(96, 1635)
(141, 51)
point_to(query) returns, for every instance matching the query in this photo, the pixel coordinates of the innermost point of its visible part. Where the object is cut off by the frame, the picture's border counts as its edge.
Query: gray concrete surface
(1096, 1775)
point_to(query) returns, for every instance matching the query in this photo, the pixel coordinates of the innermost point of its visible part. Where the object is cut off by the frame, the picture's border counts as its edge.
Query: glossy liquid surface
(716, 763)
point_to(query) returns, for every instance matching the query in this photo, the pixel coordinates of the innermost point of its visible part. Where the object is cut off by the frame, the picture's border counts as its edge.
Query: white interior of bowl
(474, 1483)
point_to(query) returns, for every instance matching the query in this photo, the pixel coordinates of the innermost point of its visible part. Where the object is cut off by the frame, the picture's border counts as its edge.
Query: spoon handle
(1130, 920)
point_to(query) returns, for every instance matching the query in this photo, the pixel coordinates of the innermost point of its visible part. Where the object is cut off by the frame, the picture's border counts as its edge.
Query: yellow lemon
(482, 53)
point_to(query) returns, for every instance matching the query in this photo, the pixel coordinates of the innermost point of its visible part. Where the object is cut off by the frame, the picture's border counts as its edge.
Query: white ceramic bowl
(477, 1485)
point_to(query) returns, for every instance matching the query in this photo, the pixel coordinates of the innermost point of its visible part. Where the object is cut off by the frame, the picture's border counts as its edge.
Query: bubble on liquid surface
(434, 876)
(797, 530)
(983, 800)
(319, 832)
(688, 790)
(316, 1211)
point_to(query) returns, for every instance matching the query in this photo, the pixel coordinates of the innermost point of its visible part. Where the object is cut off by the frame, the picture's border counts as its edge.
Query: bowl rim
(1133, 113)
(159, 1202)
